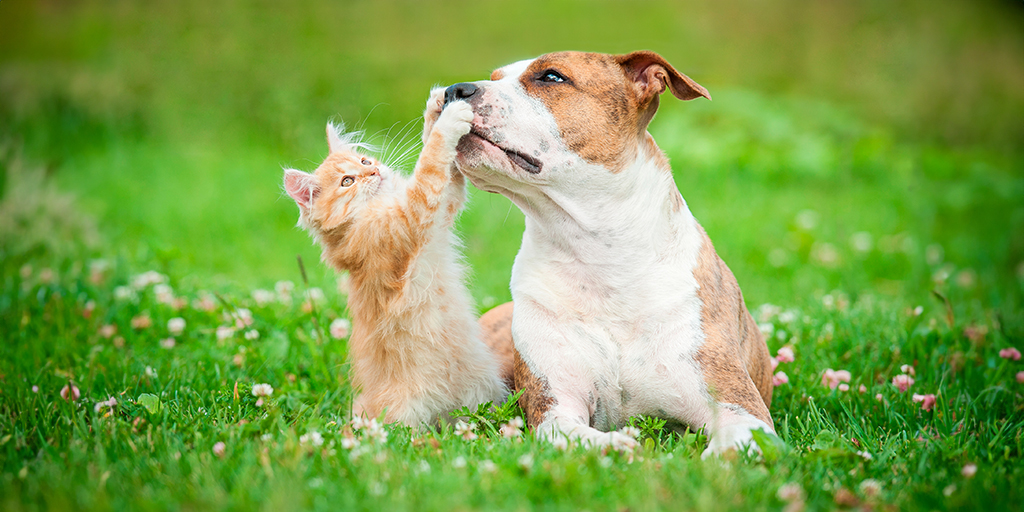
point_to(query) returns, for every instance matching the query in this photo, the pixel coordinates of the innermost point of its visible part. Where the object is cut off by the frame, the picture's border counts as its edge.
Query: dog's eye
(367, 161)
(552, 76)
(347, 181)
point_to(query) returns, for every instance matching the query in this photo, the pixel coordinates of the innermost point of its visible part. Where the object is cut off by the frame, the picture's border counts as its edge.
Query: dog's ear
(651, 74)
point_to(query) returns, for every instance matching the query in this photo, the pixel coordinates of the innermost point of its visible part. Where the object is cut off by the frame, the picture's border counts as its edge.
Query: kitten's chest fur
(414, 328)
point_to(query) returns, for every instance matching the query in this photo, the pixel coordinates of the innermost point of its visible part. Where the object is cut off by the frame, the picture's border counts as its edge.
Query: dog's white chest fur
(620, 301)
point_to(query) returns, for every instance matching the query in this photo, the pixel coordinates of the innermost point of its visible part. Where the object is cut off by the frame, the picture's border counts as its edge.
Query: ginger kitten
(415, 349)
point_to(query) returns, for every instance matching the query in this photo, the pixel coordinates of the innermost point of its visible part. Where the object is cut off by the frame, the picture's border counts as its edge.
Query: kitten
(415, 349)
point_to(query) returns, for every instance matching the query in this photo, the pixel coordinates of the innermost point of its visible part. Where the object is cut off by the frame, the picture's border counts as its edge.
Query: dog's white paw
(455, 121)
(731, 438)
(614, 440)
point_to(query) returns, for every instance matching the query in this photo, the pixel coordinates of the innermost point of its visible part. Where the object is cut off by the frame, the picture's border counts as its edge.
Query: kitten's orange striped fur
(415, 348)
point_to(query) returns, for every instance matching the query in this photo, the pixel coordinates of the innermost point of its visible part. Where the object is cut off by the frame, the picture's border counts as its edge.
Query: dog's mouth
(526, 162)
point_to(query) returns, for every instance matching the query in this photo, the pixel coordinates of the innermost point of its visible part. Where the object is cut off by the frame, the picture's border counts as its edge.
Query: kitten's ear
(301, 186)
(334, 140)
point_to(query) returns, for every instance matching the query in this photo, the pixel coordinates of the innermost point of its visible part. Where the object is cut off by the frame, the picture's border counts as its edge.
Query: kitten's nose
(459, 91)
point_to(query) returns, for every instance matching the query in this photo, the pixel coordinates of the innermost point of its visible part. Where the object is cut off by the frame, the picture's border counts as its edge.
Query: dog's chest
(634, 325)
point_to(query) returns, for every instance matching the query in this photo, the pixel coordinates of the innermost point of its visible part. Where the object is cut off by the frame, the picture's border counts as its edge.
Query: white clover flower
(146, 279)
(340, 328)
(262, 390)
(807, 219)
(871, 487)
(376, 433)
(861, 241)
(513, 428)
(525, 461)
(164, 294)
(243, 318)
(787, 316)
(97, 270)
(150, 372)
(284, 288)
(110, 402)
(123, 293)
(252, 334)
(224, 332)
(423, 467)
(465, 431)
(791, 492)
(141, 321)
(262, 297)
(488, 466)
(312, 438)
(630, 431)
(766, 328)
(219, 448)
(459, 462)
(349, 442)
(825, 253)
(315, 295)
(167, 343)
(176, 326)
(108, 330)
(205, 302)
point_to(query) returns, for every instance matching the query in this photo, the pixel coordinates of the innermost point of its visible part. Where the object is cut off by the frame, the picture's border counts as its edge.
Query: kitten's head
(342, 187)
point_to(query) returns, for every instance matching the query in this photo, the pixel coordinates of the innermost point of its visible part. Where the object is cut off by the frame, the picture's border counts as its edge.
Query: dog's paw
(455, 121)
(615, 440)
(729, 440)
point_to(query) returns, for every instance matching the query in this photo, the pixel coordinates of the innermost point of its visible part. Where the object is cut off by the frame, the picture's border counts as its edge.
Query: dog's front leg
(559, 403)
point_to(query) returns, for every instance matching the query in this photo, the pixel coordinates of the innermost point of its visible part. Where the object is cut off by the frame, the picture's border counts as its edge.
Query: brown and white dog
(622, 307)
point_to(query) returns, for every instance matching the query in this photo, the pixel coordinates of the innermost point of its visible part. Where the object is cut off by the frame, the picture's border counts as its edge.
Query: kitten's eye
(347, 181)
(551, 76)
(367, 161)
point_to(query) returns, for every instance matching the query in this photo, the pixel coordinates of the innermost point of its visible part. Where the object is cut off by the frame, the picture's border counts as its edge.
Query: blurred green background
(875, 147)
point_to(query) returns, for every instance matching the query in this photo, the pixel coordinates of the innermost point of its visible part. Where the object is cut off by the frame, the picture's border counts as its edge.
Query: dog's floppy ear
(651, 74)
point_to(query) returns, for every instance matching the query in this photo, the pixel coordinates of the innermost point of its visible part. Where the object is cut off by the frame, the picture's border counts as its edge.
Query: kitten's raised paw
(435, 104)
(456, 120)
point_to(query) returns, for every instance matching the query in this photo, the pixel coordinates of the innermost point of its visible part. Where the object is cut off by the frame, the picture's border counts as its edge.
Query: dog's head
(564, 119)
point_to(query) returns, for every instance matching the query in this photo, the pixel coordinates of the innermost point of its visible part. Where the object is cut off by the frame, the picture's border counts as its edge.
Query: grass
(859, 160)
(154, 449)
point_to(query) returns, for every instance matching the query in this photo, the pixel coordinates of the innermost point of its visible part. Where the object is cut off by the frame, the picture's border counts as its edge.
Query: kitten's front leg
(433, 168)
(455, 121)
(435, 104)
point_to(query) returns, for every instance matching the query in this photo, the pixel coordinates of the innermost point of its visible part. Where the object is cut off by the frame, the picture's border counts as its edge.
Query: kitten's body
(415, 348)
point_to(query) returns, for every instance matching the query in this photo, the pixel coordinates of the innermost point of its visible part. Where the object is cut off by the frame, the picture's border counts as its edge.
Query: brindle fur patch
(734, 358)
(496, 332)
(536, 399)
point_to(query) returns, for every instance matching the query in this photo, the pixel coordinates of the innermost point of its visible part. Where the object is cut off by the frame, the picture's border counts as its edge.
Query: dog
(620, 304)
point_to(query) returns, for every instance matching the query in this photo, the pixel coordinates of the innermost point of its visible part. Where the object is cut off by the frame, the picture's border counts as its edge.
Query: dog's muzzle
(460, 91)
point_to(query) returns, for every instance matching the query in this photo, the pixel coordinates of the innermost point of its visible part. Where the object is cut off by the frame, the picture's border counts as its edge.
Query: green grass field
(861, 170)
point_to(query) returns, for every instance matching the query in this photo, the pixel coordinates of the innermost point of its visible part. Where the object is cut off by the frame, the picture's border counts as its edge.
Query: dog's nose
(459, 91)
